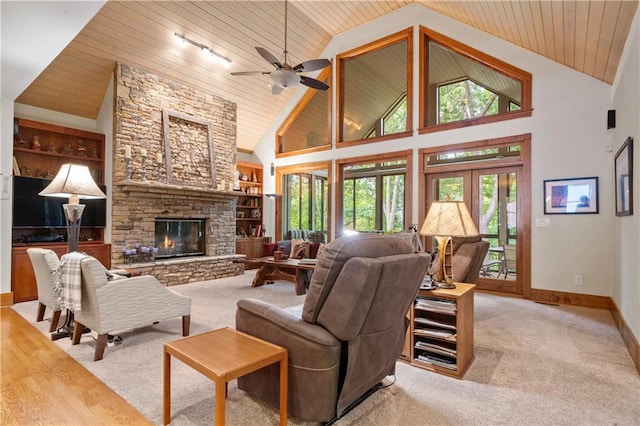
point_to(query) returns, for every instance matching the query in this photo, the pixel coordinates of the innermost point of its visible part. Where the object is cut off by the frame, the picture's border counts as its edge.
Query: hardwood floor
(41, 384)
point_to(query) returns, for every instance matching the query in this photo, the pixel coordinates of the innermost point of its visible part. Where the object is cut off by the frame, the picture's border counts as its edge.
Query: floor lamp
(444, 220)
(73, 181)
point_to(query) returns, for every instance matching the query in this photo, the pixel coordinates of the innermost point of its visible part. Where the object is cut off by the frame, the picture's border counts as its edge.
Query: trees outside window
(374, 197)
(465, 99)
(305, 202)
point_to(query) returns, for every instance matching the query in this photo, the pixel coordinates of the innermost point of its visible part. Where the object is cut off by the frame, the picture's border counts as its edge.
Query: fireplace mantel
(155, 189)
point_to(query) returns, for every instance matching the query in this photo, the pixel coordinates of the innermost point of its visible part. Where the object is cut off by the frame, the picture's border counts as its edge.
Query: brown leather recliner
(350, 331)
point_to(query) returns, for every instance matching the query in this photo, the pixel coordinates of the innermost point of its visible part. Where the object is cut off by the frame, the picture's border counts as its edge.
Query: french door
(495, 204)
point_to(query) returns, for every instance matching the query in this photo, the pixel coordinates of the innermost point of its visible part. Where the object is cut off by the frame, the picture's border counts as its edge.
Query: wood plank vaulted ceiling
(587, 36)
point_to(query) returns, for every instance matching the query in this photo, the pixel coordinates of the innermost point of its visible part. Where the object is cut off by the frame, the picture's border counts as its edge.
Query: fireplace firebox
(177, 237)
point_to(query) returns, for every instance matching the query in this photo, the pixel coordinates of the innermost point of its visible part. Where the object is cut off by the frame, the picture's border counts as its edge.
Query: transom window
(462, 84)
(308, 127)
(375, 87)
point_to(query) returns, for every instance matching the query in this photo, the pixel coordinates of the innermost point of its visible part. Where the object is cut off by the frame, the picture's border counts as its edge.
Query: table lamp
(444, 220)
(75, 182)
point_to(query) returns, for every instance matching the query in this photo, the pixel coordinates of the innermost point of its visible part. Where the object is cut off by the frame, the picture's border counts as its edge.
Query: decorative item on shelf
(81, 150)
(236, 180)
(243, 177)
(35, 143)
(51, 147)
(444, 220)
(25, 171)
(73, 181)
(19, 141)
(66, 149)
(254, 178)
(95, 153)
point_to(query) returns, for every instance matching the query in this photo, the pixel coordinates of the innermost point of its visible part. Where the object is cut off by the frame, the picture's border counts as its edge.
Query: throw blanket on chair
(68, 279)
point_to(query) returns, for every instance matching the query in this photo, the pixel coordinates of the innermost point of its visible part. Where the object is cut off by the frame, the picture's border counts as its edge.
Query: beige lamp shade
(450, 219)
(75, 182)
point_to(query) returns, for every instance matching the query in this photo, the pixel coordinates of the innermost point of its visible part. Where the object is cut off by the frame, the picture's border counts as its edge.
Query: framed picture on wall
(624, 178)
(571, 196)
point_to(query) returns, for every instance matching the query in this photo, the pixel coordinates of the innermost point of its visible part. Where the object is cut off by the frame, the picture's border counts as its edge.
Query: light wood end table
(223, 355)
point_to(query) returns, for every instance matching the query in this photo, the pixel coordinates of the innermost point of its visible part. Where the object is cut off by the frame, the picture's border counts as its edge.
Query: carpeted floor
(535, 365)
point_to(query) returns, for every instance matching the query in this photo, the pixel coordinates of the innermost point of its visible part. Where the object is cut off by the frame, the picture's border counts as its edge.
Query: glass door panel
(497, 222)
(491, 196)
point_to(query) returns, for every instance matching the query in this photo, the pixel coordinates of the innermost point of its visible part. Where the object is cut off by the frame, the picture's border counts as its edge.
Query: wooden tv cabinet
(23, 280)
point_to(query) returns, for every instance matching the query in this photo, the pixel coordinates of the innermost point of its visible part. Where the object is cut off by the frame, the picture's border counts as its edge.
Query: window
(305, 202)
(374, 193)
(375, 81)
(461, 84)
(308, 128)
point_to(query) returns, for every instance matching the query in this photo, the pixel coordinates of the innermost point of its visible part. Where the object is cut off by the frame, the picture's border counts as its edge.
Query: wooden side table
(223, 355)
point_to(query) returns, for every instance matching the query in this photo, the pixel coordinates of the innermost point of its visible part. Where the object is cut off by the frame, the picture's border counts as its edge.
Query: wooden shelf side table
(223, 355)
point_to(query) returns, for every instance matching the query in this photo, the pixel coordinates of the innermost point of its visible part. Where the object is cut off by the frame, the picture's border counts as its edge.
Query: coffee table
(270, 269)
(222, 355)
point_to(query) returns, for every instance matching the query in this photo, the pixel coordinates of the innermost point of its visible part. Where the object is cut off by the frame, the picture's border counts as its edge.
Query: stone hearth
(139, 204)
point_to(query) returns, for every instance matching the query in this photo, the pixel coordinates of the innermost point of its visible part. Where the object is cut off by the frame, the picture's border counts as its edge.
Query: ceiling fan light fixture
(284, 78)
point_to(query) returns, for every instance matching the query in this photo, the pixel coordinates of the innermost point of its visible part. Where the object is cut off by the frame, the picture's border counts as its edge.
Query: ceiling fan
(286, 75)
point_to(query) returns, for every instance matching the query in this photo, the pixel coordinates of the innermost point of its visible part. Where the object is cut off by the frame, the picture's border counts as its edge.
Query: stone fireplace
(174, 153)
(178, 237)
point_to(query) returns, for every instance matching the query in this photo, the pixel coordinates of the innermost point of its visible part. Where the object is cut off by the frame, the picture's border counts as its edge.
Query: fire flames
(167, 244)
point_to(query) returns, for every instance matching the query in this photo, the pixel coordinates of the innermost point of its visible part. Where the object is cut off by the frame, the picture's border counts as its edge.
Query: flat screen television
(31, 210)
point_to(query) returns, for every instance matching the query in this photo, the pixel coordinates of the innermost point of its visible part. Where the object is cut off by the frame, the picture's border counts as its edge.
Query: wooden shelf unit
(249, 206)
(58, 145)
(459, 322)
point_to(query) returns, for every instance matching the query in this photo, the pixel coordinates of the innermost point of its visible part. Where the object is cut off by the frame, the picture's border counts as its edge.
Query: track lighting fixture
(205, 49)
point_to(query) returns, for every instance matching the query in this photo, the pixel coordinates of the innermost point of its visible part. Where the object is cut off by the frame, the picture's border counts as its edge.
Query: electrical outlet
(578, 279)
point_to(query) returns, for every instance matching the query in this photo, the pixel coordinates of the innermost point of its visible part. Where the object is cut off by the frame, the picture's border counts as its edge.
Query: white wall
(626, 102)
(569, 139)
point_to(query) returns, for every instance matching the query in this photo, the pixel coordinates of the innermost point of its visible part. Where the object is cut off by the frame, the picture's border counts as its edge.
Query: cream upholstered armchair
(45, 263)
(350, 331)
(123, 304)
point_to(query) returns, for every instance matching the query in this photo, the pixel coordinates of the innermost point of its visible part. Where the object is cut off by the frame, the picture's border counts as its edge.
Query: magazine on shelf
(439, 361)
(439, 349)
(437, 305)
(433, 323)
(439, 334)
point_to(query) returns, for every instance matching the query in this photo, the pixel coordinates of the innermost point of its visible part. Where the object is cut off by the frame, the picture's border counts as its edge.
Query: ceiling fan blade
(269, 57)
(276, 90)
(313, 83)
(250, 73)
(312, 65)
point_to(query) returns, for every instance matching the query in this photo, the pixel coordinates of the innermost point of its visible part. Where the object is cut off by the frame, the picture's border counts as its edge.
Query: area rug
(534, 365)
